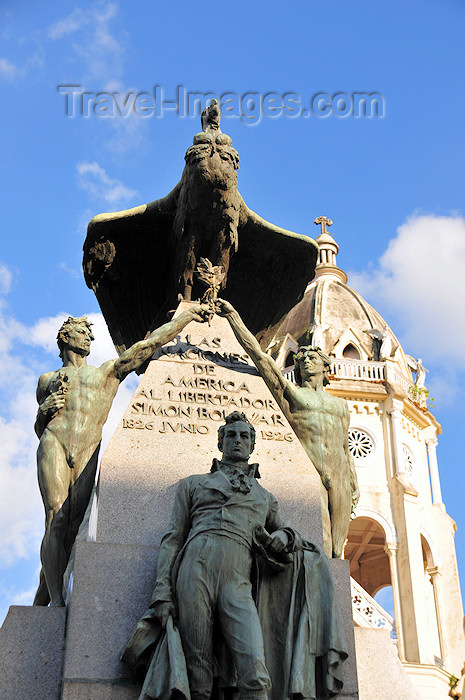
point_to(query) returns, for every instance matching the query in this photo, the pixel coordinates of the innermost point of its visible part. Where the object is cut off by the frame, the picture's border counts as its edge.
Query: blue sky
(393, 185)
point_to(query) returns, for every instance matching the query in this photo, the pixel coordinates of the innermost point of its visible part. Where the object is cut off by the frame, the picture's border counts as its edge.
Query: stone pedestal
(380, 673)
(32, 642)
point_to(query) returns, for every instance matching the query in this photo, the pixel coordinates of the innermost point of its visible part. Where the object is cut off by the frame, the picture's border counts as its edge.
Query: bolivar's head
(236, 439)
(75, 334)
(311, 360)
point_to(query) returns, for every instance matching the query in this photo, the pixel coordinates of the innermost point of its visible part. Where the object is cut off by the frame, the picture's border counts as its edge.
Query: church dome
(335, 317)
(337, 308)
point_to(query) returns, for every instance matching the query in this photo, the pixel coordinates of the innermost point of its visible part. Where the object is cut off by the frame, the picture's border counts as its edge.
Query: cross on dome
(323, 222)
(328, 250)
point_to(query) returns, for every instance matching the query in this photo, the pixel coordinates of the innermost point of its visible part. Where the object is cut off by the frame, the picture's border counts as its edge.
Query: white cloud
(8, 70)
(21, 513)
(6, 278)
(44, 332)
(91, 44)
(21, 516)
(70, 271)
(102, 349)
(14, 593)
(120, 403)
(25, 597)
(67, 25)
(96, 47)
(93, 179)
(128, 132)
(35, 61)
(420, 280)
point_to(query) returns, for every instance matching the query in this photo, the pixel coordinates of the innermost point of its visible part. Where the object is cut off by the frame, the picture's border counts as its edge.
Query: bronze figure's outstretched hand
(200, 312)
(223, 308)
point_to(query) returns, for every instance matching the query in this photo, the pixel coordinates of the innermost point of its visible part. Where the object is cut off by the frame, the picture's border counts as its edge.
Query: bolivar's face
(237, 442)
(78, 339)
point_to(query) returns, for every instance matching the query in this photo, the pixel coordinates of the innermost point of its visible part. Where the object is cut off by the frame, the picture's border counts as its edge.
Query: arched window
(384, 597)
(289, 359)
(351, 352)
(370, 569)
(431, 610)
(369, 563)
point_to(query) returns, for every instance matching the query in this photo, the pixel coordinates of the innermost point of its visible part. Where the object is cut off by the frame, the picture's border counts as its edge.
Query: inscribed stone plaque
(170, 428)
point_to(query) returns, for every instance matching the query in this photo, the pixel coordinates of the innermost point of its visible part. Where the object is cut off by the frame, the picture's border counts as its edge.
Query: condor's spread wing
(269, 273)
(127, 263)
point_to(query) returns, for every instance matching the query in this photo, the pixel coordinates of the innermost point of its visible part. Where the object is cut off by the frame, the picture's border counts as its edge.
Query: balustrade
(350, 369)
(367, 612)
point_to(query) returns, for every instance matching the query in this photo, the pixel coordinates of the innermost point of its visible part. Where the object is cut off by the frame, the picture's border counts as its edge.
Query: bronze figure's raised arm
(74, 402)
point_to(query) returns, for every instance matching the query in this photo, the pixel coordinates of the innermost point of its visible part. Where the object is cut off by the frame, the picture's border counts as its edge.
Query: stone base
(111, 591)
(380, 672)
(32, 641)
(341, 575)
(73, 690)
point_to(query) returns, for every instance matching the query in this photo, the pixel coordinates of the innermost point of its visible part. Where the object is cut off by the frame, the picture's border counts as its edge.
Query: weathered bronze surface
(140, 261)
(240, 602)
(319, 420)
(74, 402)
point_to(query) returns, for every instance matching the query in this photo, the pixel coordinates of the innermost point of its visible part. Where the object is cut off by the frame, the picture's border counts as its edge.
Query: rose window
(360, 443)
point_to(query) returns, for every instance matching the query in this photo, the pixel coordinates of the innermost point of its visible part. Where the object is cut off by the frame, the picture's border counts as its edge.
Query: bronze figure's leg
(326, 522)
(340, 503)
(196, 583)
(240, 623)
(54, 479)
(80, 491)
(42, 596)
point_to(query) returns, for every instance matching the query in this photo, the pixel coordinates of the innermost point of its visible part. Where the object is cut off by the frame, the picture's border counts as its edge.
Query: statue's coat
(302, 631)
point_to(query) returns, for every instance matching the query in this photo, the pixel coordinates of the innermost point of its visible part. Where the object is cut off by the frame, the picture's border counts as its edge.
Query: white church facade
(402, 535)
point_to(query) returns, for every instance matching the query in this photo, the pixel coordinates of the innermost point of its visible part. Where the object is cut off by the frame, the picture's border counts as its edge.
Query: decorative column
(396, 414)
(391, 550)
(433, 470)
(410, 569)
(434, 575)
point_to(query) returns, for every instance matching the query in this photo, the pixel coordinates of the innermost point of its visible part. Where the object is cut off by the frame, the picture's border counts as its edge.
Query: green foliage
(421, 396)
